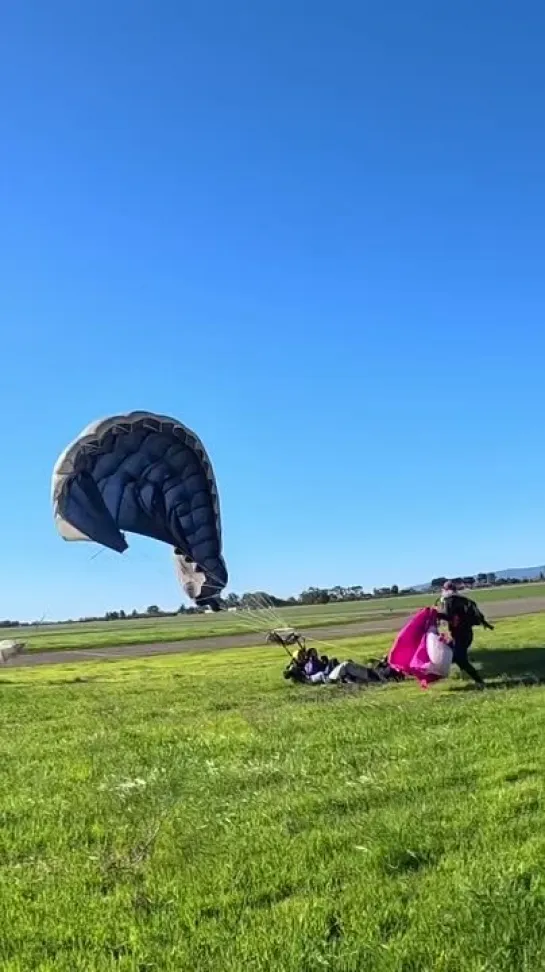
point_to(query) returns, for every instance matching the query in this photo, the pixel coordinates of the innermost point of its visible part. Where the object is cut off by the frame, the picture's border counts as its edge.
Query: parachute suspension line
(277, 630)
(252, 626)
(326, 644)
(260, 616)
(35, 628)
(264, 617)
(261, 610)
(267, 610)
(255, 612)
(280, 632)
(263, 613)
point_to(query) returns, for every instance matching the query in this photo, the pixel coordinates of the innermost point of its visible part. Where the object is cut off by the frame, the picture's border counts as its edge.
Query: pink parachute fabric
(419, 650)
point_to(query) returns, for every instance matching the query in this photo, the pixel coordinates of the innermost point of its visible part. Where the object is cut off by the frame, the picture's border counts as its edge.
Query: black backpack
(465, 609)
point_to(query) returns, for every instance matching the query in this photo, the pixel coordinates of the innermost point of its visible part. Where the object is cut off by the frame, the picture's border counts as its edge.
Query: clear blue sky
(316, 234)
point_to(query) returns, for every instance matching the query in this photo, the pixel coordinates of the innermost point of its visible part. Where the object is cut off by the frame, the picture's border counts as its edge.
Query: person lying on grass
(311, 669)
(307, 666)
(461, 615)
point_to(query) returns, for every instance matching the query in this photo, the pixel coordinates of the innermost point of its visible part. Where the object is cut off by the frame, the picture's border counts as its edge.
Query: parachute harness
(286, 637)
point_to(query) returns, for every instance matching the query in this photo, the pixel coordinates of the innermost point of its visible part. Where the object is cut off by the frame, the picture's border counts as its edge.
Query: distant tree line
(252, 600)
(483, 580)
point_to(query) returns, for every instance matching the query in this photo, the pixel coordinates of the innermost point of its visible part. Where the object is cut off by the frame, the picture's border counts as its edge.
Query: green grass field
(199, 813)
(103, 634)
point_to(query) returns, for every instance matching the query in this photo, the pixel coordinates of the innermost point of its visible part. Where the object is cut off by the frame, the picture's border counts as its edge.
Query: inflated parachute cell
(146, 474)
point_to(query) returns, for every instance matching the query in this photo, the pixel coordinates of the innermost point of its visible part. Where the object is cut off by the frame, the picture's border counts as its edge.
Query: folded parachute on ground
(150, 475)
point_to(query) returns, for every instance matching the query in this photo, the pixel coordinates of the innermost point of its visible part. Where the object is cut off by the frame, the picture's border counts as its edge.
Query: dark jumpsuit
(461, 631)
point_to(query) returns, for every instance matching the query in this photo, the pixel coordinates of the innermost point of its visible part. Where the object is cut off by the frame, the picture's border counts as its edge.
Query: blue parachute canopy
(146, 474)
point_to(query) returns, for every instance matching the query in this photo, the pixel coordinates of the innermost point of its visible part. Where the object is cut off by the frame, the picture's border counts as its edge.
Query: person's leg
(318, 678)
(460, 658)
(337, 674)
(357, 673)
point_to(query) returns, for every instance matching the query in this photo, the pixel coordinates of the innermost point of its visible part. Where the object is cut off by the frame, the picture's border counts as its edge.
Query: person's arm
(482, 620)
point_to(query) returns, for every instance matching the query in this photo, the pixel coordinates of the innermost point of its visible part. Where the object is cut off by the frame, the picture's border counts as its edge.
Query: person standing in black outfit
(462, 615)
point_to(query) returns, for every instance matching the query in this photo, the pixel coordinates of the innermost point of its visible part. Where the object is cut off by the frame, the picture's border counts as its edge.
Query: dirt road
(498, 609)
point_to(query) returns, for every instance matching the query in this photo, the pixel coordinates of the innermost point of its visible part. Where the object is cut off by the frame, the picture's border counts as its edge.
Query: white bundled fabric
(8, 649)
(440, 654)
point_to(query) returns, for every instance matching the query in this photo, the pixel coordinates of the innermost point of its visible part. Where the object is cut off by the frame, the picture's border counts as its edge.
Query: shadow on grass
(506, 667)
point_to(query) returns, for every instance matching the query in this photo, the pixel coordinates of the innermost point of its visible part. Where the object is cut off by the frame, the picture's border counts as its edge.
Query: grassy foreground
(105, 634)
(199, 813)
